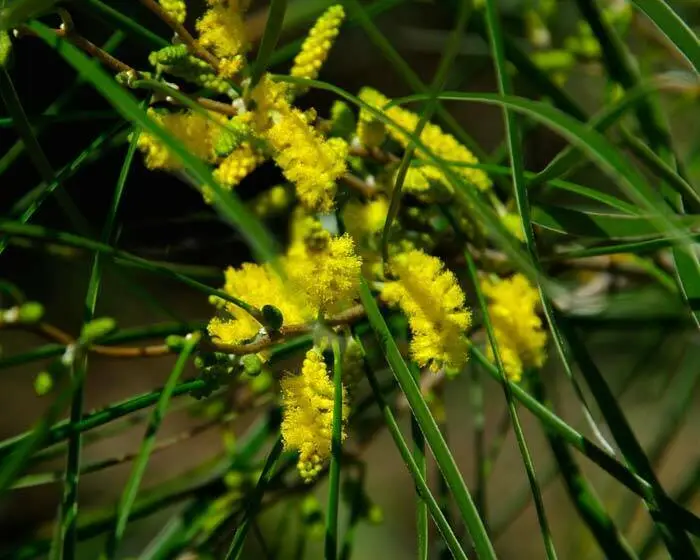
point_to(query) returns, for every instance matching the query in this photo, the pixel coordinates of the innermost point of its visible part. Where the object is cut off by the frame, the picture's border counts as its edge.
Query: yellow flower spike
(443, 145)
(192, 129)
(307, 401)
(238, 165)
(330, 275)
(371, 132)
(177, 9)
(519, 331)
(258, 285)
(222, 29)
(229, 68)
(435, 306)
(317, 45)
(312, 163)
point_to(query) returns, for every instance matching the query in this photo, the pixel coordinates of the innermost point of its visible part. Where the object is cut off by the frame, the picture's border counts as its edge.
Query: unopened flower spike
(177, 9)
(518, 330)
(435, 305)
(307, 404)
(317, 45)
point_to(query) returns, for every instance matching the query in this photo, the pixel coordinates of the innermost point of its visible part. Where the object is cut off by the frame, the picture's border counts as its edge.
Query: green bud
(252, 365)
(30, 312)
(261, 383)
(175, 342)
(272, 317)
(43, 383)
(342, 120)
(169, 56)
(375, 515)
(97, 328)
(5, 48)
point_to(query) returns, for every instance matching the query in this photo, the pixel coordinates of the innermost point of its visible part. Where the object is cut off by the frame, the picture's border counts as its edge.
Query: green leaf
(433, 436)
(600, 225)
(138, 469)
(273, 30)
(673, 26)
(331, 540)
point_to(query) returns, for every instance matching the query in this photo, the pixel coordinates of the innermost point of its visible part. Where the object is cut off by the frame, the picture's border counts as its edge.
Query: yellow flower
(237, 165)
(363, 220)
(307, 421)
(370, 130)
(310, 162)
(177, 9)
(222, 29)
(443, 145)
(435, 305)
(327, 269)
(518, 329)
(192, 129)
(257, 285)
(314, 51)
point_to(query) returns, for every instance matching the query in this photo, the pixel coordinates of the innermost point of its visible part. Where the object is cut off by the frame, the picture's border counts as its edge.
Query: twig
(186, 37)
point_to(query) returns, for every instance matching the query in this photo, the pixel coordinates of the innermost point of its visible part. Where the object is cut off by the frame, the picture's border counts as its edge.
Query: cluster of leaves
(395, 216)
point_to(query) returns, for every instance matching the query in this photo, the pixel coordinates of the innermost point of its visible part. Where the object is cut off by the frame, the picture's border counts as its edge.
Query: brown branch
(52, 332)
(358, 185)
(186, 37)
(68, 34)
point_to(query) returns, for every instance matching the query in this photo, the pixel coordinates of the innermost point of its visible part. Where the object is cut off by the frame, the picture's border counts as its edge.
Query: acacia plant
(409, 246)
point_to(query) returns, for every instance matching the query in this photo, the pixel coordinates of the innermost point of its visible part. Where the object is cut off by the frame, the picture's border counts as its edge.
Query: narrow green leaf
(673, 26)
(131, 488)
(254, 501)
(415, 470)
(273, 30)
(421, 411)
(125, 22)
(596, 224)
(331, 539)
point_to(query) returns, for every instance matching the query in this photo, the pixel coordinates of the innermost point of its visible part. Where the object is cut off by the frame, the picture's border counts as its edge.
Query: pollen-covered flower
(326, 268)
(309, 161)
(307, 422)
(519, 332)
(443, 145)
(314, 51)
(257, 285)
(192, 129)
(222, 30)
(177, 9)
(435, 305)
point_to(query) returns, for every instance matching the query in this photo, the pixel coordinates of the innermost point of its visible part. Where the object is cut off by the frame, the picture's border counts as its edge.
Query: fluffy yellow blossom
(310, 162)
(222, 29)
(177, 9)
(363, 220)
(518, 329)
(314, 51)
(272, 202)
(192, 129)
(443, 145)
(307, 421)
(435, 305)
(229, 68)
(237, 165)
(370, 130)
(257, 285)
(326, 268)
